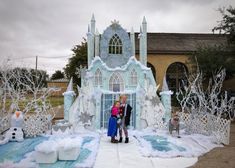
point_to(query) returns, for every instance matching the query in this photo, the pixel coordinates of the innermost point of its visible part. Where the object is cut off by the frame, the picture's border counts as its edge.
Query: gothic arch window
(98, 78)
(153, 69)
(115, 45)
(133, 78)
(116, 83)
(176, 75)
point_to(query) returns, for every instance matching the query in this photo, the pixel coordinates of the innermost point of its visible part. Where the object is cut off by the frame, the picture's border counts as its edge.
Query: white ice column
(166, 99)
(143, 43)
(93, 24)
(90, 46)
(97, 43)
(91, 41)
(132, 42)
(68, 99)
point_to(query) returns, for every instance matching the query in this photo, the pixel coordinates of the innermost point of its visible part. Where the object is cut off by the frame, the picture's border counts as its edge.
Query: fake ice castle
(113, 70)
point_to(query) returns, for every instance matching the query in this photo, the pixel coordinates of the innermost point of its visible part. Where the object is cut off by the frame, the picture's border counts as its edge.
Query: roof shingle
(179, 43)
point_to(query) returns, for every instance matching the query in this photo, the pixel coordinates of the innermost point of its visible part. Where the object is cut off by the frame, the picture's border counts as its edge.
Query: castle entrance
(107, 101)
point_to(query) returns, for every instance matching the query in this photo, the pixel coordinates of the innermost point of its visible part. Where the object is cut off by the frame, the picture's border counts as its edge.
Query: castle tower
(143, 42)
(93, 24)
(166, 99)
(91, 41)
(68, 99)
(97, 43)
(132, 42)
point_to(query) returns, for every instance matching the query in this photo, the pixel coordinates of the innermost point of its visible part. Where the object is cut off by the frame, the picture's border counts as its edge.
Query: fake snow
(131, 60)
(163, 145)
(22, 154)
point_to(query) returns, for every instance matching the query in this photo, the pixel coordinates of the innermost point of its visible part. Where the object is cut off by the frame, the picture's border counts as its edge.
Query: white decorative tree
(24, 90)
(205, 109)
(194, 98)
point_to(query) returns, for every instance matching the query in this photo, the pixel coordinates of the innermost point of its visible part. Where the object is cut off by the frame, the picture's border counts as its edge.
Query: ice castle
(114, 70)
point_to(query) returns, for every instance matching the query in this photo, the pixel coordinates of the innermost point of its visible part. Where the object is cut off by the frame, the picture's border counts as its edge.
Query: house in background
(168, 54)
(60, 86)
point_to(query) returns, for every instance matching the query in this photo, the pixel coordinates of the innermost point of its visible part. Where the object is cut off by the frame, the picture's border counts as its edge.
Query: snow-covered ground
(22, 154)
(123, 155)
(147, 148)
(161, 144)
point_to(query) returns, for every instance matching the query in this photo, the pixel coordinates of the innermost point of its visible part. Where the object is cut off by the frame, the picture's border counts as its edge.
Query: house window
(116, 83)
(133, 78)
(98, 78)
(115, 45)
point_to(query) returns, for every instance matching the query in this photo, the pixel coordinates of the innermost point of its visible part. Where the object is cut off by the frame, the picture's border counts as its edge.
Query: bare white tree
(195, 98)
(24, 90)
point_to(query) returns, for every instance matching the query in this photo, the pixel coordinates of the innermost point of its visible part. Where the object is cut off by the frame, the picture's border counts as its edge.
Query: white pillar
(143, 42)
(97, 43)
(68, 99)
(132, 42)
(93, 24)
(91, 41)
(90, 46)
(141, 46)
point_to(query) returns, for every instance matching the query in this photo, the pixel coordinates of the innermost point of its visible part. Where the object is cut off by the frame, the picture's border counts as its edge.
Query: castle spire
(144, 21)
(91, 41)
(132, 34)
(93, 24)
(143, 42)
(89, 29)
(97, 42)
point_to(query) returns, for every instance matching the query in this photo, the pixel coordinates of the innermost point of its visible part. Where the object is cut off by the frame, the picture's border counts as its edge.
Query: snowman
(15, 133)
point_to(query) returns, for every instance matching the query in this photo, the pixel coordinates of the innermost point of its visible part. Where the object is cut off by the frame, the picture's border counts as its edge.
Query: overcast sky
(50, 28)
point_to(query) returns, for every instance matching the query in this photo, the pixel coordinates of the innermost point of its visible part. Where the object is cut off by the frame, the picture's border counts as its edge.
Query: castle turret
(93, 24)
(91, 41)
(97, 43)
(68, 99)
(166, 99)
(143, 43)
(132, 42)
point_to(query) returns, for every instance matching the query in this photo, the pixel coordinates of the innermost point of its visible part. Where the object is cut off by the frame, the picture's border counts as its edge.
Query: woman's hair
(116, 102)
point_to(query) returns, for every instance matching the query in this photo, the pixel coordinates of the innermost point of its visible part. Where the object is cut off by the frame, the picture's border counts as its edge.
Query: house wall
(58, 85)
(162, 61)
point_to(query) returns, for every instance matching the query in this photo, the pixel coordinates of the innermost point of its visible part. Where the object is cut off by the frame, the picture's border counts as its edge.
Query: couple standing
(120, 119)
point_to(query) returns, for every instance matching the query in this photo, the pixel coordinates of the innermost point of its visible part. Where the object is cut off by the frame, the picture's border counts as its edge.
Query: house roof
(178, 43)
(62, 80)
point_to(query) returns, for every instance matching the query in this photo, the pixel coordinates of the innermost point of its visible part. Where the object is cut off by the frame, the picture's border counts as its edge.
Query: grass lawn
(55, 101)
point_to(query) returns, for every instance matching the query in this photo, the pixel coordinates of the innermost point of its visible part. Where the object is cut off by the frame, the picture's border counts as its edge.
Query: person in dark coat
(112, 127)
(125, 115)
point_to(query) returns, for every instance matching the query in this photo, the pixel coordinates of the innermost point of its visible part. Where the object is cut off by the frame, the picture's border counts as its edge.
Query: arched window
(98, 78)
(133, 78)
(175, 74)
(116, 83)
(115, 45)
(153, 69)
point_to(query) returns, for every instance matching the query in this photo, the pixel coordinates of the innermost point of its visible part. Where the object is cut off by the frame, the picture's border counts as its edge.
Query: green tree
(211, 58)
(57, 75)
(227, 24)
(79, 58)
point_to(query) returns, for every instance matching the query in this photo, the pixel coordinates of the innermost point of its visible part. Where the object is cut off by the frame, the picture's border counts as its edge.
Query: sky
(50, 28)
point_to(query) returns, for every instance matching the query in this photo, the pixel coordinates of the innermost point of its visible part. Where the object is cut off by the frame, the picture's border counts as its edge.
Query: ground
(219, 157)
(123, 155)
